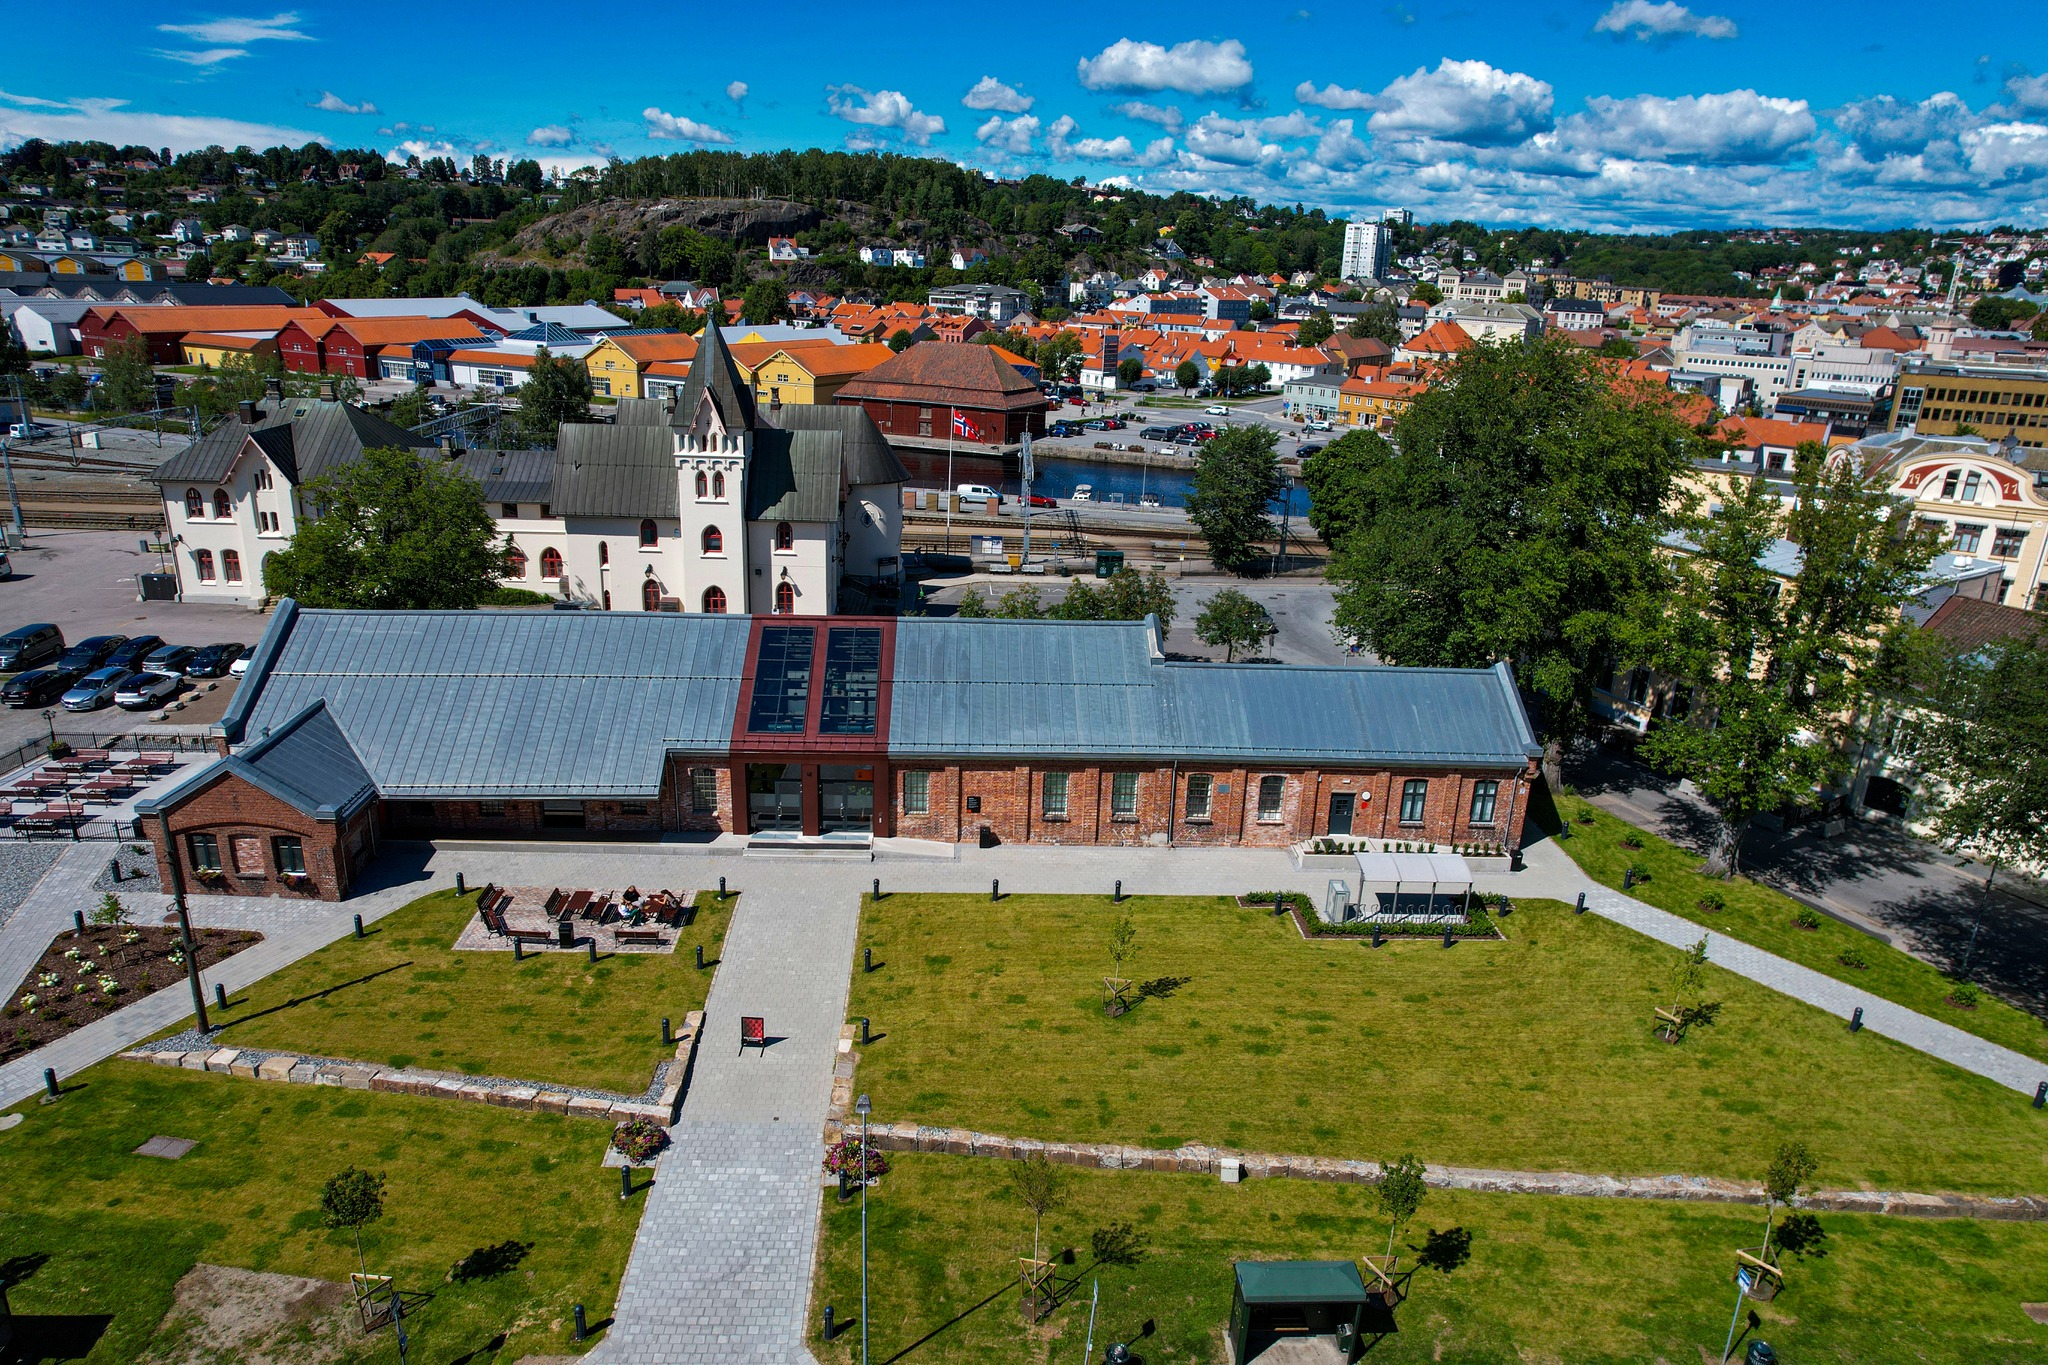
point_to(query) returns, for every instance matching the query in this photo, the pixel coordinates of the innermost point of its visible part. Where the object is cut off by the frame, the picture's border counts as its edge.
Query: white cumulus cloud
(1194, 67)
(1335, 96)
(676, 128)
(1064, 146)
(2008, 151)
(279, 27)
(335, 104)
(1469, 102)
(736, 91)
(1649, 22)
(990, 93)
(1339, 149)
(1884, 125)
(551, 135)
(1166, 116)
(1739, 127)
(1012, 136)
(883, 109)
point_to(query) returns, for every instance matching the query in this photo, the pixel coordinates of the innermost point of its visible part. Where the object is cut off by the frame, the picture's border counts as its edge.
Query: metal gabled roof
(307, 437)
(506, 703)
(511, 475)
(714, 375)
(615, 471)
(307, 763)
(794, 476)
(865, 452)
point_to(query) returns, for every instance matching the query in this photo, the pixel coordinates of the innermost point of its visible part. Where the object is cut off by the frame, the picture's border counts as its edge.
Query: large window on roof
(782, 681)
(853, 671)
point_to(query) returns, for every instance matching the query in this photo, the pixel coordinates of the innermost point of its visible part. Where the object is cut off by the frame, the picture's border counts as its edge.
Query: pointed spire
(715, 374)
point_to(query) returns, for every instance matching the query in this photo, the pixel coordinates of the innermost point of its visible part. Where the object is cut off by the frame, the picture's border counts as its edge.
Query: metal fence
(105, 826)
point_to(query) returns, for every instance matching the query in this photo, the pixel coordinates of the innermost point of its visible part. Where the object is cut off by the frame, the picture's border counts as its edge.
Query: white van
(977, 491)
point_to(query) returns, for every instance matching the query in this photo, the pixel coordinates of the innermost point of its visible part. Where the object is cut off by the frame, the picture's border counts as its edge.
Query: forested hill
(505, 234)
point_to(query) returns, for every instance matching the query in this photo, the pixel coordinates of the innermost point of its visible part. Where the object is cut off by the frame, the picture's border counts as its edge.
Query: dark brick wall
(232, 809)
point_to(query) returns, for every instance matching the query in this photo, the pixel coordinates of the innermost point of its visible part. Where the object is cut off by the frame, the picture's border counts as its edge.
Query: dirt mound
(254, 1318)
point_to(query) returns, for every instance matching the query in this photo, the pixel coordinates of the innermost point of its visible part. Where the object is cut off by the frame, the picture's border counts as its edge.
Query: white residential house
(877, 255)
(189, 231)
(1490, 321)
(236, 232)
(966, 258)
(785, 250)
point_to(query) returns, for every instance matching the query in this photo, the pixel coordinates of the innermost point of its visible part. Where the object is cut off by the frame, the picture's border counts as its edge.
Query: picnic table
(157, 758)
(105, 788)
(95, 756)
(41, 782)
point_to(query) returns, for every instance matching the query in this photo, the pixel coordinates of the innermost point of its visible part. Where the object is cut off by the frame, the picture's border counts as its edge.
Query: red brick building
(427, 724)
(935, 390)
(164, 327)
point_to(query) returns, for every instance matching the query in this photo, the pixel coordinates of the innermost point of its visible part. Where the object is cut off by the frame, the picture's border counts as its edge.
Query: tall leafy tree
(1337, 477)
(557, 390)
(1234, 621)
(393, 532)
(1983, 742)
(1516, 516)
(1771, 668)
(1186, 376)
(764, 302)
(127, 380)
(1316, 328)
(1237, 477)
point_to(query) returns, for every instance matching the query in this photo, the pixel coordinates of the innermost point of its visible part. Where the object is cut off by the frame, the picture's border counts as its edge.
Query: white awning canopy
(1445, 871)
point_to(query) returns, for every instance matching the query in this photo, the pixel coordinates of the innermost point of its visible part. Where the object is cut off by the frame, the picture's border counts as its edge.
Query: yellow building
(1374, 402)
(209, 349)
(811, 372)
(1988, 498)
(1938, 399)
(618, 364)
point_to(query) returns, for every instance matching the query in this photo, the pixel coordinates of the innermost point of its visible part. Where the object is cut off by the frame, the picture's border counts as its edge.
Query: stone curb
(1196, 1159)
(409, 1081)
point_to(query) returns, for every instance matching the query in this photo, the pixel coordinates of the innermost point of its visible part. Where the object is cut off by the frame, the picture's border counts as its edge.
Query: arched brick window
(785, 536)
(785, 599)
(714, 601)
(714, 541)
(550, 562)
(648, 535)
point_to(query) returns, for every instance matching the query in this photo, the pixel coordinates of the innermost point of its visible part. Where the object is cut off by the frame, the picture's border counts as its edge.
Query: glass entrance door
(775, 797)
(846, 798)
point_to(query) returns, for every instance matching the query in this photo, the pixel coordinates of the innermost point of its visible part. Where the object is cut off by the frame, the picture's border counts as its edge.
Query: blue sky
(1597, 113)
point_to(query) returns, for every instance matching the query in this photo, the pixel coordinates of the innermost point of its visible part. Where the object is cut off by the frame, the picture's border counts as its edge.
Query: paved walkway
(291, 930)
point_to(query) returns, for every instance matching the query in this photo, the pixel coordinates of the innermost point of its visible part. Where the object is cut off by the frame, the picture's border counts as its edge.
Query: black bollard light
(863, 1030)
(1375, 936)
(1279, 904)
(1856, 1020)
(2041, 1095)
(460, 885)
(220, 995)
(1447, 936)
(721, 888)
(114, 868)
(518, 950)
(878, 888)
(1580, 908)
(1628, 879)
(1117, 897)
(995, 889)
(828, 1316)
(666, 1037)
(581, 1330)
(593, 947)
(867, 959)
(50, 1082)
(359, 926)
(700, 957)
(626, 1182)
(78, 921)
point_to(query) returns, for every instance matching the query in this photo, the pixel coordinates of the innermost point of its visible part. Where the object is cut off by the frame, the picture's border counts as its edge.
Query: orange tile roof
(160, 319)
(645, 350)
(1445, 338)
(512, 360)
(225, 342)
(1749, 433)
(824, 360)
(385, 331)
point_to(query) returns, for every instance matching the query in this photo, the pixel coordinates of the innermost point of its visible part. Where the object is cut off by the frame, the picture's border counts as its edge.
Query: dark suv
(213, 661)
(91, 652)
(131, 655)
(39, 686)
(27, 646)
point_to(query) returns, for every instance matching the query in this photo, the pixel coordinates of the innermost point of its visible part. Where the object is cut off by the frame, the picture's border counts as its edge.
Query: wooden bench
(494, 923)
(530, 935)
(649, 936)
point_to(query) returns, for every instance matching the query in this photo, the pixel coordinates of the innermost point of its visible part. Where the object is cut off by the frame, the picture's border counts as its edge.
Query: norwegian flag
(965, 428)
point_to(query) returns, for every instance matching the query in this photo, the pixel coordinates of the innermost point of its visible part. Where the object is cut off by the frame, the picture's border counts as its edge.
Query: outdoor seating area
(536, 919)
(84, 793)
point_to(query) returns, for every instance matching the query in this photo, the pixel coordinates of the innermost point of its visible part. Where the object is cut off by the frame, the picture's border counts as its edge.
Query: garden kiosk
(1277, 1300)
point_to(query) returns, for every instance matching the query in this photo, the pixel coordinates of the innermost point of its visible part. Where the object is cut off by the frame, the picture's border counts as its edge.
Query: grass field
(90, 1231)
(1759, 915)
(1537, 1052)
(402, 997)
(1542, 1279)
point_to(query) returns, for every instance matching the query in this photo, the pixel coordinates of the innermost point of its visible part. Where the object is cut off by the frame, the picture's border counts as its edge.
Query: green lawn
(1759, 915)
(401, 997)
(1537, 1052)
(88, 1229)
(1545, 1279)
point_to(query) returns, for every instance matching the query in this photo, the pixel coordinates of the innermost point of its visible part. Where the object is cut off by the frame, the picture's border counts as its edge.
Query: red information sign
(753, 1031)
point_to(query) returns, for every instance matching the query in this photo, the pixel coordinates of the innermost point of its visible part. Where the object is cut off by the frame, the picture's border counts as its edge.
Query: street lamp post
(862, 1107)
(1978, 922)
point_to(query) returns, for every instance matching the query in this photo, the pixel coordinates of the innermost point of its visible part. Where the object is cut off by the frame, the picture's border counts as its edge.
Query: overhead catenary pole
(952, 421)
(1024, 469)
(184, 923)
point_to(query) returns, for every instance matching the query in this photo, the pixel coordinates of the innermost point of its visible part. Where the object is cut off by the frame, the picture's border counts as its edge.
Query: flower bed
(639, 1140)
(85, 977)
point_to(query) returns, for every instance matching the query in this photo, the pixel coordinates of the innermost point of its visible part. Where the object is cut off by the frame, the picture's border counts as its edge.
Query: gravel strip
(138, 872)
(22, 864)
(191, 1040)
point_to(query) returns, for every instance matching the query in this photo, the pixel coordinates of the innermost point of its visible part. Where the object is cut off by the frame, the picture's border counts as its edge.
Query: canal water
(1057, 477)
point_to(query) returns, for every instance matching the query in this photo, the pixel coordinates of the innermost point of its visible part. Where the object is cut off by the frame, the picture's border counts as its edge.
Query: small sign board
(1742, 1278)
(753, 1032)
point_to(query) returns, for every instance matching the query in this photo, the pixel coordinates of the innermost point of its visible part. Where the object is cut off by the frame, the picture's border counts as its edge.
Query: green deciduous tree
(763, 303)
(1790, 1170)
(1041, 1188)
(1516, 516)
(1379, 322)
(353, 1199)
(1316, 328)
(1772, 667)
(1337, 478)
(901, 341)
(1426, 294)
(1399, 1189)
(1233, 621)
(1983, 742)
(1129, 372)
(127, 380)
(1237, 477)
(1996, 314)
(1187, 376)
(556, 390)
(393, 531)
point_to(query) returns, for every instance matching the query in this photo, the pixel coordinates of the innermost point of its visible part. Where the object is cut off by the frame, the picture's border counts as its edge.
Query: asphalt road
(83, 582)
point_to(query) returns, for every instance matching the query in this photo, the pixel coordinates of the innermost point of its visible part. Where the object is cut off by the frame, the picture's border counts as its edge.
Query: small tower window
(785, 536)
(714, 541)
(648, 535)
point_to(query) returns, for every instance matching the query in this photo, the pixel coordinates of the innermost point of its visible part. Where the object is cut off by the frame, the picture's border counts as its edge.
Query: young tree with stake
(1400, 1189)
(1790, 1171)
(353, 1199)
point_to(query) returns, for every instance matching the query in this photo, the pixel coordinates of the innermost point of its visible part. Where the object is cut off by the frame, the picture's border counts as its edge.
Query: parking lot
(83, 582)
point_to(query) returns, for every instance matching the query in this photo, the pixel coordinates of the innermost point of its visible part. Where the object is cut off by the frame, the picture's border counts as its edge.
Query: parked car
(96, 689)
(6, 565)
(29, 431)
(147, 689)
(1319, 424)
(1156, 434)
(1217, 410)
(27, 646)
(1307, 451)
(1149, 501)
(1039, 500)
(39, 686)
(214, 660)
(91, 652)
(977, 491)
(169, 659)
(138, 648)
(240, 666)
(1063, 429)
